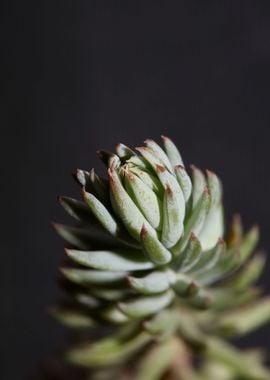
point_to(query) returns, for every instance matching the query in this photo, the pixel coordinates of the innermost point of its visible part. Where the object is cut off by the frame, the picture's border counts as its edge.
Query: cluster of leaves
(150, 274)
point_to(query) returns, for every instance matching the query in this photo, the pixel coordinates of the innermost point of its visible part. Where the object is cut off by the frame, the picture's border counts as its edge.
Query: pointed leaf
(154, 282)
(209, 259)
(159, 153)
(151, 181)
(146, 200)
(184, 181)
(124, 152)
(76, 209)
(156, 251)
(116, 260)
(87, 277)
(143, 306)
(155, 363)
(199, 184)
(100, 186)
(242, 321)
(195, 222)
(213, 228)
(184, 286)
(172, 152)
(130, 215)
(101, 213)
(173, 216)
(72, 318)
(190, 256)
(108, 351)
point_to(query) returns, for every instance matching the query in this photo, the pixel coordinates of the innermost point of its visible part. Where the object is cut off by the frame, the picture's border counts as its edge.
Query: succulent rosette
(148, 256)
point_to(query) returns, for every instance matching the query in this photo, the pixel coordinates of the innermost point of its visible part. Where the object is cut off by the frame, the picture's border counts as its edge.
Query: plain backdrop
(82, 75)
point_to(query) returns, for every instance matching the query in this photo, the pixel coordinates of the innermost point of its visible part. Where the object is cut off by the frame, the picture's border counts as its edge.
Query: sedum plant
(156, 287)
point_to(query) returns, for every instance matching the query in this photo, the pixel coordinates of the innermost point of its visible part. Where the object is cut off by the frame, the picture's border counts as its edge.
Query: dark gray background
(79, 75)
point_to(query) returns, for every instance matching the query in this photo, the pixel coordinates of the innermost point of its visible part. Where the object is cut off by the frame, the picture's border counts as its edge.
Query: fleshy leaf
(115, 260)
(156, 251)
(199, 184)
(108, 351)
(72, 318)
(146, 200)
(172, 152)
(184, 181)
(144, 306)
(130, 215)
(159, 153)
(87, 277)
(242, 321)
(154, 282)
(101, 213)
(173, 215)
(157, 361)
(190, 256)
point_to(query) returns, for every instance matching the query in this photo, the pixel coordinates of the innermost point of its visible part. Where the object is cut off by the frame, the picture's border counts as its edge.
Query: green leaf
(157, 360)
(129, 213)
(109, 294)
(225, 298)
(195, 222)
(115, 260)
(83, 238)
(201, 300)
(156, 251)
(236, 232)
(101, 213)
(82, 177)
(248, 274)
(213, 228)
(173, 216)
(146, 200)
(104, 155)
(139, 162)
(242, 321)
(113, 315)
(184, 286)
(199, 184)
(159, 153)
(242, 366)
(108, 351)
(141, 307)
(76, 209)
(87, 277)
(151, 181)
(248, 244)
(100, 187)
(72, 318)
(190, 256)
(184, 181)
(88, 300)
(163, 323)
(154, 282)
(209, 259)
(172, 152)
(124, 152)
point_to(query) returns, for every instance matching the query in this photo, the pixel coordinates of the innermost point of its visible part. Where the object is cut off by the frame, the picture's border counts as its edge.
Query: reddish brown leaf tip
(209, 173)
(160, 168)
(206, 190)
(168, 189)
(193, 237)
(221, 241)
(164, 137)
(179, 167)
(144, 231)
(192, 289)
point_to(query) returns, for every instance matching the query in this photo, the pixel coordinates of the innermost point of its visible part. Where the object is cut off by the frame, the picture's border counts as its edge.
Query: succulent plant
(153, 281)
